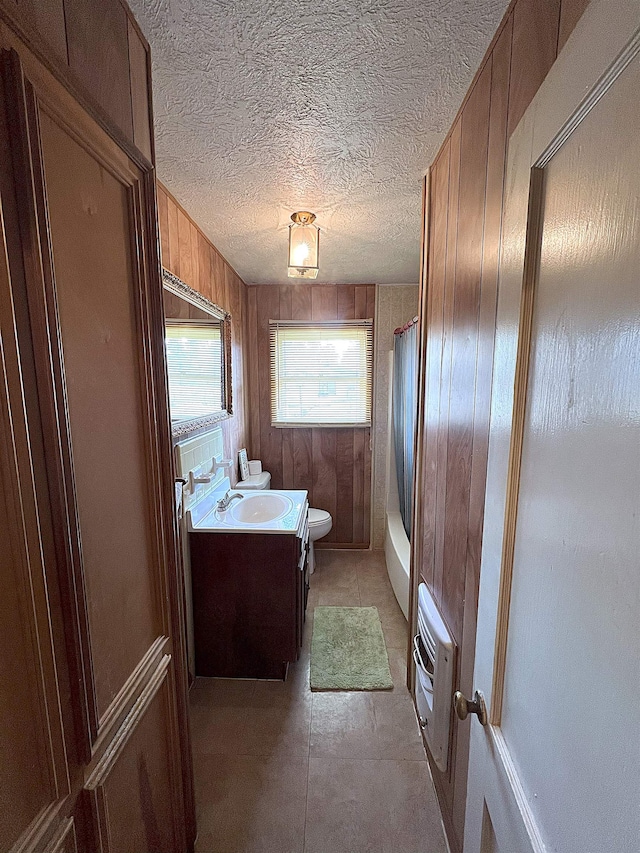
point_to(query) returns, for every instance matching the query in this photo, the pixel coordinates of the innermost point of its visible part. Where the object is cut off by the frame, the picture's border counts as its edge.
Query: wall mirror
(198, 346)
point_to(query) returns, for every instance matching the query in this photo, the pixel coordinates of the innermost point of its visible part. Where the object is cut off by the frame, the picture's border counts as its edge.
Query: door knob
(465, 706)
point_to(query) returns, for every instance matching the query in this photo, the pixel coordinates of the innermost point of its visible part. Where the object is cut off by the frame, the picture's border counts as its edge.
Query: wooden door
(557, 767)
(111, 740)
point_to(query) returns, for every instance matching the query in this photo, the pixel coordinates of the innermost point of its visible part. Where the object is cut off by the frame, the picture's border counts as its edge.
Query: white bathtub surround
(396, 552)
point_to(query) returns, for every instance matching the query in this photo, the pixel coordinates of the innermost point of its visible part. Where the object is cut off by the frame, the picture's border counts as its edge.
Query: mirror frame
(177, 287)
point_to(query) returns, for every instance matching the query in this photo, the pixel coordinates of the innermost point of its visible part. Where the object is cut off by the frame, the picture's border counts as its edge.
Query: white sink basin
(258, 509)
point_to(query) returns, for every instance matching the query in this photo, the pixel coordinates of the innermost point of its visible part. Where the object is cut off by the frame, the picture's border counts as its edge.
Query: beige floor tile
(394, 625)
(343, 807)
(251, 804)
(376, 590)
(211, 692)
(356, 806)
(277, 728)
(368, 787)
(398, 666)
(334, 579)
(397, 733)
(343, 725)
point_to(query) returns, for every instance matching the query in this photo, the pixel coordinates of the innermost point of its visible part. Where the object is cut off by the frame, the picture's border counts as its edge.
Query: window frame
(320, 325)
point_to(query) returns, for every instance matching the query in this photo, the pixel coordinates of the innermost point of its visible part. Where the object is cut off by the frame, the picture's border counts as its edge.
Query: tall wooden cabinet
(94, 737)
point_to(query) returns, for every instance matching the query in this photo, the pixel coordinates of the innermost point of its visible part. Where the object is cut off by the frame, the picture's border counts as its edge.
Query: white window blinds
(194, 359)
(321, 373)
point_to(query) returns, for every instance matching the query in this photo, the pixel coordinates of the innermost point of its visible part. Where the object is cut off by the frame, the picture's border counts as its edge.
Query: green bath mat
(348, 650)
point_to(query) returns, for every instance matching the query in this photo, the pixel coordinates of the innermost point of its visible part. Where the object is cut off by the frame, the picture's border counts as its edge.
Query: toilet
(320, 520)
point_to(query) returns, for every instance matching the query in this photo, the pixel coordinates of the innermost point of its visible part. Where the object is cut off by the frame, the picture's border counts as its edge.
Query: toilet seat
(318, 516)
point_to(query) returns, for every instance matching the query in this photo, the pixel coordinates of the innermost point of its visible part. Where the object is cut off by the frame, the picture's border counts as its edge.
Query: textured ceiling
(264, 107)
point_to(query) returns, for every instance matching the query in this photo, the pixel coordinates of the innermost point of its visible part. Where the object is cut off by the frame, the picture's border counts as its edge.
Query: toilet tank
(256, 481)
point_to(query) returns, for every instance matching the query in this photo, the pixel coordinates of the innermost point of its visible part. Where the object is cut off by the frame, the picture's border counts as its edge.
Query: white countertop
(203, 517)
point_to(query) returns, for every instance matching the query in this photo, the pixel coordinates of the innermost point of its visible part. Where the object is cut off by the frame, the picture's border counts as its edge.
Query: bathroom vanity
(250, 583)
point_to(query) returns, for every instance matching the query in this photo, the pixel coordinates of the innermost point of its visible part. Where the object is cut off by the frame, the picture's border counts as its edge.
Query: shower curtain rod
(406, 326)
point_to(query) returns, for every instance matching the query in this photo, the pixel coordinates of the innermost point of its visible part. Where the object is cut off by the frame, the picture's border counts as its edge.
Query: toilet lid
(317, 516)
(255, 481)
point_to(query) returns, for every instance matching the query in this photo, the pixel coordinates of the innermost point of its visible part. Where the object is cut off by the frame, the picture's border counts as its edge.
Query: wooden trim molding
(133, 687)
(60, 842)
(415, 556)
(142, 703)
(39, 273)
(525, 325)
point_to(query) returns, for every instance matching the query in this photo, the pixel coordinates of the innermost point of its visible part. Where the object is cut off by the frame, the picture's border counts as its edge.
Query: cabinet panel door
(88, 220)
(33, 772)
(89, 211)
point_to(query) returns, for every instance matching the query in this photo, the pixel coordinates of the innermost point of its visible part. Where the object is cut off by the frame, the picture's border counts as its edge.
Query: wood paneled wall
(334, 465)
(459, 304)
(97, 49)
(187, 253)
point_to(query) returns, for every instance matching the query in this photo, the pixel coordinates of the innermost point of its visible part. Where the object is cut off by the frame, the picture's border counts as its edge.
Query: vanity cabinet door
(246, 603)
(86, 217)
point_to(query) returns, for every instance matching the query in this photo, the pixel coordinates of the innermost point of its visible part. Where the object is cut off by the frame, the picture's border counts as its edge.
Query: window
(194, 359)
(321, 373)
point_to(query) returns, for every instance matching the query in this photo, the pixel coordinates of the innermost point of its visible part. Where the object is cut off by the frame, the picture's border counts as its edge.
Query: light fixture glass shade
(304, 241)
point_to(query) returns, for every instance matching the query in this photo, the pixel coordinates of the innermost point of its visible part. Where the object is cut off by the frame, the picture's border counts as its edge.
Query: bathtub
(396, 552)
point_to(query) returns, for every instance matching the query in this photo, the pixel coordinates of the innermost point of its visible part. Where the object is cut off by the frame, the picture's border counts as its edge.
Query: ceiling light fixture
(304, 242)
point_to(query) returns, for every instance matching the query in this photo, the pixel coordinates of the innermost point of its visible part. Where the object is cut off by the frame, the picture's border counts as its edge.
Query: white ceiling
(264, 107)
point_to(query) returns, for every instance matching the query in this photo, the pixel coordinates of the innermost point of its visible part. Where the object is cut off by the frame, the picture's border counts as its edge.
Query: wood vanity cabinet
(249, 598)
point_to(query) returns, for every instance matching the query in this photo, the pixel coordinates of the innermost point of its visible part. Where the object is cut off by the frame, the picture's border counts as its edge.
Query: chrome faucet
(225, 502)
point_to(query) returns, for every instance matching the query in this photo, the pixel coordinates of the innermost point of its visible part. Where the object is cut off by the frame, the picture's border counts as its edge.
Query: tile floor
(279, 769)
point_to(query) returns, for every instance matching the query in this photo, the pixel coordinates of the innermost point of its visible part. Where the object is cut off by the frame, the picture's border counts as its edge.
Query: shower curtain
(405, 405)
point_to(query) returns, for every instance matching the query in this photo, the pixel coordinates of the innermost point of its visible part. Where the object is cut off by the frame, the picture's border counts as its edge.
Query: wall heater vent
(433, 654)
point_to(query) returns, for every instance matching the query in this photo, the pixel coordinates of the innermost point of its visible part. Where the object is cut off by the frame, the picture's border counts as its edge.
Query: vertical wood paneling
(324, 472)
(285, 296)
(343, 520)
(570, 13)
(303, 461)
(187, 253)
(300, 303)
(203, 250)
(473, 173)
(48, 19)
(98, 49)
(358, 485)
(445, 375)
(163, 223)
(99, 41)
(501, 60)
(460, 326)
(346, 302)
(334, 465)
(324, 302)
(140, 87)
(535, 42)
(172, 261)
(361, 303)
(370, 305)
(433, 357)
